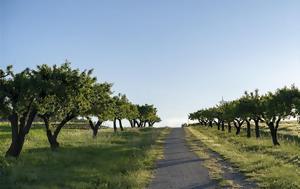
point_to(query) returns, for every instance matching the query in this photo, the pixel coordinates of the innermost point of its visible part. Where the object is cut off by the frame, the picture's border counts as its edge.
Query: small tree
(121, 109)
(102, 106)
(250, 106)
(218, 116)
(228, 109)
(194, 116)
(152, 116)
(278, 106)
(210, 116)
(18, 96)
(147, 114)
(132, 114)
(67, 96)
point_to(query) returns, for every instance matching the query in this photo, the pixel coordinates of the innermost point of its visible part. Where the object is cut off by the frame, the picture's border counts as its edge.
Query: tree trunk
(17, 137)
(115, 124)
(238, 124)
(248, 128)
(223, 126)
(16, 146)
(229, 127)
(140, 124)
(257, 133)
(52, 140)
(218, 124)
(96, 128)
(136, 123)
(131, 123)
(200, 122)
(273, 131)
(151, 124)
(238, 128)
(62, 124)
(19, 129)
(53, 137)
(121, 126)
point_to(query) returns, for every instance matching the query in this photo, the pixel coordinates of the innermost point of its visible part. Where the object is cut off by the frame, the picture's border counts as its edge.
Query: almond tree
(67, 96)
(152, 116)
(18, 96)
(132, 114)
(147, 114)
(194, 116)
(102, 106)
(228, 109)
(121, 104)
(218, 117)
(278, 106)
(250, 107)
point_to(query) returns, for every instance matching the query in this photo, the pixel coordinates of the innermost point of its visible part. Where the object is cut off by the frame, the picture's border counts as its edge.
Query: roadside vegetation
(259, 134)
(271, 167)
(215, 169)
(252, 108)
(53, 133)
(59, 94)
(112, 160)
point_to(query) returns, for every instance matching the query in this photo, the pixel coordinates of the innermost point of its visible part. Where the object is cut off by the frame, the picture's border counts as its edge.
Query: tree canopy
(270, 108)
(58, 94)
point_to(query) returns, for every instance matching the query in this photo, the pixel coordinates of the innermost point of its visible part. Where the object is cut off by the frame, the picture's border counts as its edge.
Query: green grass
(271, 167)
(122, 160)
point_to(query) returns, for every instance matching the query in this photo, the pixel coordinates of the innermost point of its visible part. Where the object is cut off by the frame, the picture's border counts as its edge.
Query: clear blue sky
(180, 55)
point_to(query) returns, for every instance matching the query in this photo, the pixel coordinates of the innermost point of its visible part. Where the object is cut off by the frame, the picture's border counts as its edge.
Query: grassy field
(271, 167)
(288, 130)
(122, 160)
(212, 163)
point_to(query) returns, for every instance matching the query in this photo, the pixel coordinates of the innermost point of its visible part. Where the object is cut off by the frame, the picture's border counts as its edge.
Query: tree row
(270, 108)
(58, 94)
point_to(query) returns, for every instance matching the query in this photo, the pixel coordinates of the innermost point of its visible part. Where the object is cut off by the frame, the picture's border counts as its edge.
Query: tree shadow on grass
(89, 166)
(5, 128)
(69, 166)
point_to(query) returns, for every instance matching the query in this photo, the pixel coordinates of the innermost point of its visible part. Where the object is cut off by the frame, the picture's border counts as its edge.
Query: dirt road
(181, 168)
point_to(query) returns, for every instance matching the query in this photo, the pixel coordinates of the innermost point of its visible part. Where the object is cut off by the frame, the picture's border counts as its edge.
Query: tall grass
(272, 167)
(121, 160)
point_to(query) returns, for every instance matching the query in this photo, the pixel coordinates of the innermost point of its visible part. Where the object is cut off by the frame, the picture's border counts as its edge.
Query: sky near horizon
(180, 55)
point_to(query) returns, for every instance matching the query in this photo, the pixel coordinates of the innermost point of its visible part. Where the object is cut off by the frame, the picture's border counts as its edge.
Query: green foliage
(67, 94)
(132, 112)
(67, 91)
(102, 104)
(18, 93)
(284, 103)
(228, 110)
(58, 94)
(280, 104)
(250, 105)
(148, 113)
(121, 106)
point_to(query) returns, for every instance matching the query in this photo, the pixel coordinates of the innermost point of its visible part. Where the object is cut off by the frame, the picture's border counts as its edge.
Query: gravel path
(181, 168)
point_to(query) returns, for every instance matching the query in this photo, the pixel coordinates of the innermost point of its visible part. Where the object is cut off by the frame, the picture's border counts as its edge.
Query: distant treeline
(270, 108)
